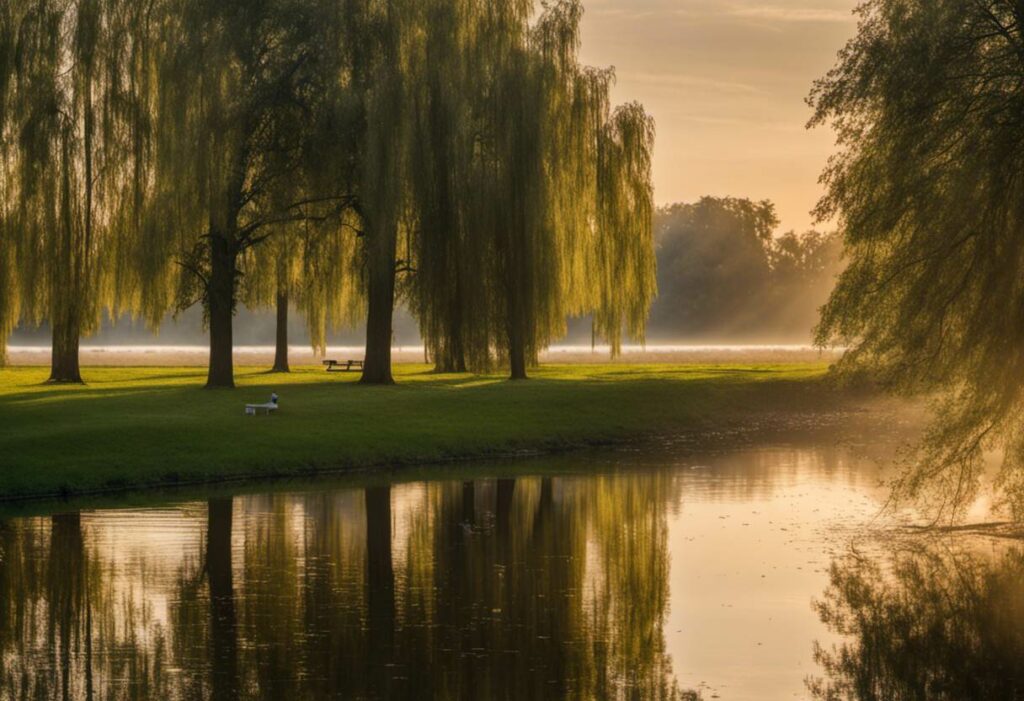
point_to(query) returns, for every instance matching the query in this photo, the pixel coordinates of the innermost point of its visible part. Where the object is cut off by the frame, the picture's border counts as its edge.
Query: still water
(644, 574)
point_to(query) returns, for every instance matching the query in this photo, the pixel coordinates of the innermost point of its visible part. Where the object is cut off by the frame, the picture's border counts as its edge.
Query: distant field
(136, 427)
(197, 356)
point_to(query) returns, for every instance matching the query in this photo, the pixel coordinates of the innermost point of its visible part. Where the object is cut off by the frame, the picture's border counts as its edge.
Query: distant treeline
(724, 274)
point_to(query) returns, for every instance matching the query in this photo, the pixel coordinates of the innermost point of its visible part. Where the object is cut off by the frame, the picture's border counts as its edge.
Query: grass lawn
(136, 427)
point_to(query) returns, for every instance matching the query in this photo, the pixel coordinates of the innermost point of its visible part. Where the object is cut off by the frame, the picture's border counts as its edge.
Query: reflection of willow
(333, 576)
(549, 588)
(271, 615)
(223, 619)
(65, 632)
(925, 624)
(631, 589)
(488, 591)
(519, 613)
(280, 621)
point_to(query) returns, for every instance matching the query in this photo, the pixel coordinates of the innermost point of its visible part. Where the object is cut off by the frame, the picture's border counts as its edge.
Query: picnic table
(343, 366)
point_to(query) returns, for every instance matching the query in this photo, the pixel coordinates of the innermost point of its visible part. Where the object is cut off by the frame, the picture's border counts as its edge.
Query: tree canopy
(928, 105)
(724, 273)
(335, 156)
(69, 130)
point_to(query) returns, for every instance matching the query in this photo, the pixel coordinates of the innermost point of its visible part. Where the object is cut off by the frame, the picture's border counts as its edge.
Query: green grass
(136, 427)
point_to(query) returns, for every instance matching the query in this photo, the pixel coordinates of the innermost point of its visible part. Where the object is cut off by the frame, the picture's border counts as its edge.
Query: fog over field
(727, 274)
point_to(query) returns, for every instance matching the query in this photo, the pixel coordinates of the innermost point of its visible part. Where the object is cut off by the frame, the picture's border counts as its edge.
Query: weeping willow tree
(243, 91)
(448, 292)
(314, 268)
(383, 193)
(532, 199)
(622, 277)
(272, 279)
(9, 292)
(68, 187)
(928, 188)
(581, 182)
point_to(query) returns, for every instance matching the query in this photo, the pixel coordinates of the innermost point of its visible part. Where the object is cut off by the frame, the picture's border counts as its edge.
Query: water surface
(625, 574)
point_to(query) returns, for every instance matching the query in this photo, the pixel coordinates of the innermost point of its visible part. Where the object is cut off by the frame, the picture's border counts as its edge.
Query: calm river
(624, 574)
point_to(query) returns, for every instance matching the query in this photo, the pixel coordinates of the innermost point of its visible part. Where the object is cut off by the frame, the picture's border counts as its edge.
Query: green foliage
(532, 200)
(9, 291)
(926, 102)
(937, 621)
(68, 139)
(723, 274)
(241, 146)
(165, 153)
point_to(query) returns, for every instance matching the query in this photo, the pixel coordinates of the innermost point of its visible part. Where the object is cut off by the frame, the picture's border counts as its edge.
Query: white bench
(253, 409)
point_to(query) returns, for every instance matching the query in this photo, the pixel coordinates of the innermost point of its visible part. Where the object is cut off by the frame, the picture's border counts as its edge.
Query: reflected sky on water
(633, 575)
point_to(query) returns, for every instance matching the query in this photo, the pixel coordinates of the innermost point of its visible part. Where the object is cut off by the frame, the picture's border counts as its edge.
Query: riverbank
(134, 428)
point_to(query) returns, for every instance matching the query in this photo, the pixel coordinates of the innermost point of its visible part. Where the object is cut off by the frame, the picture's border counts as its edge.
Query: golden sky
(726, 81)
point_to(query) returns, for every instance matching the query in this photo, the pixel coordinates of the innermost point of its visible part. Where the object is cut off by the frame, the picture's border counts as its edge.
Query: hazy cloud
(726, 82)
(793, 14)
(682, 80)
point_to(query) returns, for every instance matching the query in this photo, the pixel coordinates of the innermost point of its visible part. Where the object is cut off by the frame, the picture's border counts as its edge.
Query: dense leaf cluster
(724, 273)
(928, 187)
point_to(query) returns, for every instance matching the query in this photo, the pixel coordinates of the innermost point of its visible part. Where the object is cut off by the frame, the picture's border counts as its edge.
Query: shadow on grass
(155, 395)
(49, 397)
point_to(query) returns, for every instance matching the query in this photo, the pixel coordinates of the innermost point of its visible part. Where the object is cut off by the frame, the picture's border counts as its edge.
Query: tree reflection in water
(552, 587)
(66, 632)
(927, 621)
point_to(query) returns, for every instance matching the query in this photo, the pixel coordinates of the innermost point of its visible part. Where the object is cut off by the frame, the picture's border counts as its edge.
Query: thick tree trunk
(223, 620)
(517, 352)
(516, 320)
(281, 352)
(66, 291)
(452, 358)
(381, 304)
(64, 355)
(221, 300)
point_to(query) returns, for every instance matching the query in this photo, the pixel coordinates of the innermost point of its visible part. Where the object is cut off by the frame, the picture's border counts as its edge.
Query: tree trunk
(450, 358)
(516, 318)
(517, 352)
(381, 304)
(64, 355)
(281, 353)
(221, 300)
(67, 289)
